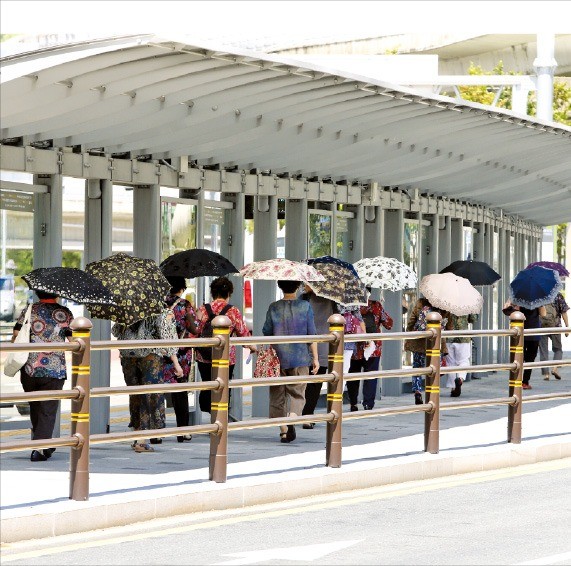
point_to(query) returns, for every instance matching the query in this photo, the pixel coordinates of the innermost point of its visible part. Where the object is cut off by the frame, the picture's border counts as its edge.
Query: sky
(283, 19)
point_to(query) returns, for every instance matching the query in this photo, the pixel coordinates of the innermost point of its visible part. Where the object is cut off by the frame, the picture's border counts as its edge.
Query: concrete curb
(266, 485)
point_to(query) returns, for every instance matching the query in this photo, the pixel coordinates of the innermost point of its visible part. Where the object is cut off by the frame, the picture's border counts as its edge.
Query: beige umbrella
(452, 293)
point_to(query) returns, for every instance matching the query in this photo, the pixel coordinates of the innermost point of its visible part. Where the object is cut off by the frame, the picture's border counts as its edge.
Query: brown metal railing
(81, 392)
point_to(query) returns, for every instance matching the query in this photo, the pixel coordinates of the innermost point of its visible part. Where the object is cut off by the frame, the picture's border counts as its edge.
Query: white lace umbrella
(385, 273)
(451, 293)
(281, 269)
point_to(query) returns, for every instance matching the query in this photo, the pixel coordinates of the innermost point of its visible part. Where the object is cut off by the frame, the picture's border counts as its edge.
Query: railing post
(219, 406)
(80, 377)
(432, 418)
(516, 377)
(335, 392)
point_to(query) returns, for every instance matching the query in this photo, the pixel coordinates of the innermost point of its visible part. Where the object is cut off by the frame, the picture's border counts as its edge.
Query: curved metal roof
(167, 98)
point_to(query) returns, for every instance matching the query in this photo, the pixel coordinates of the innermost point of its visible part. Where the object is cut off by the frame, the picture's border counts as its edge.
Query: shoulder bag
(16, 360)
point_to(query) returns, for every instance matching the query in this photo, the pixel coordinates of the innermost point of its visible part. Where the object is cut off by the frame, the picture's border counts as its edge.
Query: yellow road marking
(342, 499)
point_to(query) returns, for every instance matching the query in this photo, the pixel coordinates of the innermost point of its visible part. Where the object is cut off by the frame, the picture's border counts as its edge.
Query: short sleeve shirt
(49, 323)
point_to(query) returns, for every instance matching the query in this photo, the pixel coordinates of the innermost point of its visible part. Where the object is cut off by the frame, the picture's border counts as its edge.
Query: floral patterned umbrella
(280, 269)
(340, 285)
(386, 273)
(451, 293)
(138, 288)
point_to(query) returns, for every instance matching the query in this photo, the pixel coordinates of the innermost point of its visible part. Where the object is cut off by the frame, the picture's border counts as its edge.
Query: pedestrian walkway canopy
(242, 110)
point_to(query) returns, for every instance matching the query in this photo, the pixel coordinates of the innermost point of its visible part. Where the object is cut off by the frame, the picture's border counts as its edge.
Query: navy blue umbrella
(534, 287)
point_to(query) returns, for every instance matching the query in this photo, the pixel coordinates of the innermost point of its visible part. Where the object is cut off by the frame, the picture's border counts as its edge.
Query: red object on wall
(247, 294)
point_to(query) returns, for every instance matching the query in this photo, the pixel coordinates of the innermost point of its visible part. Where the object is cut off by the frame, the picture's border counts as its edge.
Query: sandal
(555, 375)
(184, 438)
(283, 437)
(308, 425)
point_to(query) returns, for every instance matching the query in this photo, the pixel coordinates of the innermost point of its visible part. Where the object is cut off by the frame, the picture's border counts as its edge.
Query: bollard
(80, 377)
(432, 387)
(516, 377)
(335, 392)
(219, 405)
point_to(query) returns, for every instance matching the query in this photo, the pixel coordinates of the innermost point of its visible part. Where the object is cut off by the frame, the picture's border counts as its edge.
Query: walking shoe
(156, 440)
(143, 448)
(354, 408)
(526, 386)
(555, 375)
(457, 391)
(418, 398)
(37, 456)
(48, 452)
(184, 438)
(367, 407)
(290, 434)
(546, 378)
(308, 425)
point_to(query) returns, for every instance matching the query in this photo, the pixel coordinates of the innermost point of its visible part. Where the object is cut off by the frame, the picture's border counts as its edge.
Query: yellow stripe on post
(432, 389)
(219, 406)
(432, 352)
(334, 396)
(220, 363)
(335, 358)
(515, 383)
(336, 328)
(220, 331)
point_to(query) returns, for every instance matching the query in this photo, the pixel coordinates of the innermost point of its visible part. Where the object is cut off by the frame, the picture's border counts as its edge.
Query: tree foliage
(486, 94)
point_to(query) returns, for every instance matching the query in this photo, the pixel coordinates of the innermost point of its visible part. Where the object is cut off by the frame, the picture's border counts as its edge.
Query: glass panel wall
(342, 237)
(319, 234)
(410, 254)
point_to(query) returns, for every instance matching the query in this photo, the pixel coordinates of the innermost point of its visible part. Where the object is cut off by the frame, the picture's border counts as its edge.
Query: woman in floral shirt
(44, 370)
(221, 290)
(358, 361)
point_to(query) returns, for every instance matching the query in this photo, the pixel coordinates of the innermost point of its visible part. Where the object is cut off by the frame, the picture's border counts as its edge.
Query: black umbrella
(69, 283)
(196, 262)
(477, 272)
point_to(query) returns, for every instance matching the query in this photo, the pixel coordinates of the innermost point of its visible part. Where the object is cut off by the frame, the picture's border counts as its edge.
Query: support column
(503, 288)
(147, 222)
(444, 241)
(297, 230)
(98, 238)
(489, 305)
(392, 350)
(478, 254)
(48, 213)
(430, 246)
(356, 235)
(373, 234)
(456, 239)
(264, 292)
(232, 247)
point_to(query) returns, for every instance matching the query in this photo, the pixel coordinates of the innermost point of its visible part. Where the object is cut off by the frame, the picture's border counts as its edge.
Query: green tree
(485, 94)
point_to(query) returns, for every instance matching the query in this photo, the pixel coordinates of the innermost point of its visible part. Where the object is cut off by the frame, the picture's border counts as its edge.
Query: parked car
(7, 298)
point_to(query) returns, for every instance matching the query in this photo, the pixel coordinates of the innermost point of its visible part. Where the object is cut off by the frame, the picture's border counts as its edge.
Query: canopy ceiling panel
(144, 95)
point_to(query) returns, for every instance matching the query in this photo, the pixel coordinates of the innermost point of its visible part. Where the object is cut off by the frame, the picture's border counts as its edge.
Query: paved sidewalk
(127, 487)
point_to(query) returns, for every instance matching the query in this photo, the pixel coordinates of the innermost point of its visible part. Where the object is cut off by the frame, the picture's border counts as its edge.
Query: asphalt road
(512, 516)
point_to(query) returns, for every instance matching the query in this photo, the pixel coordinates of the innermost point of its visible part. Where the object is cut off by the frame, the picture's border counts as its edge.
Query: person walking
(374, 316)
(417, 323)
(322, 309)
(354, 324)
(459, 352)
(530, 342)
(290, 316)
(555, 311)
(221, 290)
(144, 366)
(184, 319)
(44, 371)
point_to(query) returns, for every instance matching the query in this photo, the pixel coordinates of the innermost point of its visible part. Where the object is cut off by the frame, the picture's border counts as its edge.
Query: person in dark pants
(374, 316)
(44, 371)
(221, 290)
(184, 318)
(530, 343)
(322, 309)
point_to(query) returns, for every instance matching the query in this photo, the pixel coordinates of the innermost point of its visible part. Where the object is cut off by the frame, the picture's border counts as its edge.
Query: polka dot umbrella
(69, 283)
(138, 286)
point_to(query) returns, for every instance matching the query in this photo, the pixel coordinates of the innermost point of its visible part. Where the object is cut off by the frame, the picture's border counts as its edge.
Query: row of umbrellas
(125, 289)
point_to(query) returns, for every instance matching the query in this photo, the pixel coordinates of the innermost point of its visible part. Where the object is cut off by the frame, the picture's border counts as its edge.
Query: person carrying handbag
(184, 318)
(49, 322)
